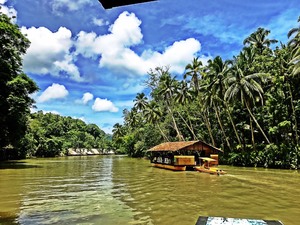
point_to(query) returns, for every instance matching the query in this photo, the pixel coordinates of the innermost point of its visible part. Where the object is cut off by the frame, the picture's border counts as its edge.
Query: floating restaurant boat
(186, 155)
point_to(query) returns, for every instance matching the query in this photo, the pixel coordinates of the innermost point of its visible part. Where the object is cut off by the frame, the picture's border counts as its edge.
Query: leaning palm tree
(217, 74)
(168, 85)
(153, 114)
(245, 87)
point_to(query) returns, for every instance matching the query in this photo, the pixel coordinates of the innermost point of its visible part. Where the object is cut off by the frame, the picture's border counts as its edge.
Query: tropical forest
(248, 106)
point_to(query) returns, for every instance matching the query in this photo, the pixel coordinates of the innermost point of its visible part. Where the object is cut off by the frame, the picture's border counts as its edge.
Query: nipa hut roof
(179, 145)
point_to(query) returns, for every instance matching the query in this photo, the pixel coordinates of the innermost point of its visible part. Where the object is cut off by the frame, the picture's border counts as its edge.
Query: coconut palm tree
(217, 74)
(295, 33)
(211, 100)
(259, 40)
(245, 87)
(286, 69)
(167, 87)
(184, 96)
(118, 131)
(294, 43)
(140, 101)
(193, 69)
(153, 114)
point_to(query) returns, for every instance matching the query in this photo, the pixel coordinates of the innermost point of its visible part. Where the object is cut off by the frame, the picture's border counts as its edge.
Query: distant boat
(184, 155)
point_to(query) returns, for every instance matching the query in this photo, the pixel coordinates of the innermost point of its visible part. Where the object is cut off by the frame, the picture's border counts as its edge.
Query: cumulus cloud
(9, 11)
(49, 52)
(116, 53)
(87, 97)
(55, 91)
(104, 105)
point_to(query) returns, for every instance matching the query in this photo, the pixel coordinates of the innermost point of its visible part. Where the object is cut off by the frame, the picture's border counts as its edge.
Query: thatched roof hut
(185, 146)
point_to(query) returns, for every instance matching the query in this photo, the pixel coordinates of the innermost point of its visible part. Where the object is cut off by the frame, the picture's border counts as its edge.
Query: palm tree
(118, 131)
(167, 90)
(153, 114)
(211, 100)
(132, 118)
(287, 70)
(204, 113)
(184, 96)
(245, 87)
(193, 69)
(140, 101)
(218, 71)
(259, 39)
(295, 41)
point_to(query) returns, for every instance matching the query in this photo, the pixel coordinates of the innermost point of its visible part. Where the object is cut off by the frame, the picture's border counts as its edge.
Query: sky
(90, 63)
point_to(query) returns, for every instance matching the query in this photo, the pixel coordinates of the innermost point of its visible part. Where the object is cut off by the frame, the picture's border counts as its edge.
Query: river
(120, 190)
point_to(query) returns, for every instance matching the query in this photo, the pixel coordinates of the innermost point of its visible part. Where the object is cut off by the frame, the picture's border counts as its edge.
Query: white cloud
(82, 118)
(87, 97)
(69, 5)
(51, 111)
(104, 105)
(116, 53)
(9, 11)
(100, 22)
(49, 53)
(55, 91)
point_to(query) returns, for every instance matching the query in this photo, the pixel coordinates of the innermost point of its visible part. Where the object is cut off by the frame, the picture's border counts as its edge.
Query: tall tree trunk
(257, 124)
(162, 133)
(221, 126)
(294, 115)
(252, 134)
(233, 125)
(208, 126)
(188, 126)
(180, 137)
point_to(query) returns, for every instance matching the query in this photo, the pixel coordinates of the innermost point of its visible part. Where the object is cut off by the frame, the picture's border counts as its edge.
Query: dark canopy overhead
(107, 4)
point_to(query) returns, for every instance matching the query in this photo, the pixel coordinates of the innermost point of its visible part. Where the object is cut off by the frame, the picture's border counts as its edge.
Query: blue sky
(90, 63)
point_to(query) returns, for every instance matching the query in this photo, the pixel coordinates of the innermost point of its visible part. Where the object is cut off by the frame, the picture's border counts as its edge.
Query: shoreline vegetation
(249, 106)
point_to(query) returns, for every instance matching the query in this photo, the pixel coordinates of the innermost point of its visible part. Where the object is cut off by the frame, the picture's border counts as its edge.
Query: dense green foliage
(52, 135)
(248, 105)
(15, 86)
(23, 134)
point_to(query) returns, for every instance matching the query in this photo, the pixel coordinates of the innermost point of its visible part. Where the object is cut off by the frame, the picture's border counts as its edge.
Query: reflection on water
(120, 190)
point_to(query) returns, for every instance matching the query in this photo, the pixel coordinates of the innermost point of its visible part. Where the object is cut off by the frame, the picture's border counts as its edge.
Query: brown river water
(120, 190)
